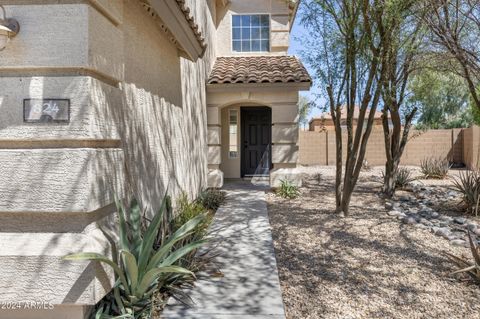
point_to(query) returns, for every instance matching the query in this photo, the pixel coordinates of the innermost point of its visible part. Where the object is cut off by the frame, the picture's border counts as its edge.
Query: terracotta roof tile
(259, 69)
(191, 21)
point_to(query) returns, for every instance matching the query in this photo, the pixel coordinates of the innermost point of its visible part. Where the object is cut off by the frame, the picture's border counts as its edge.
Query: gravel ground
(367, 265)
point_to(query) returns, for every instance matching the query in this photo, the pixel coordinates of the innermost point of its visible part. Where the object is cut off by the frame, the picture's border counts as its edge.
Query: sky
(298, 32)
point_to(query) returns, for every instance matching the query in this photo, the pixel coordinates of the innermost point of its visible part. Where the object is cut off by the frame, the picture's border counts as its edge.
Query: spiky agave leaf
(146, 247)
(181, 233)
(103, 259)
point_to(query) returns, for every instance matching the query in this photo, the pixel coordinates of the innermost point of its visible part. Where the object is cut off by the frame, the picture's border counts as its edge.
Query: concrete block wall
(457, 145)
(138, 123)
(471, 150)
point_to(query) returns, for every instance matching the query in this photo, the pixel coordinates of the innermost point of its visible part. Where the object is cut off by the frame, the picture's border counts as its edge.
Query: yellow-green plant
(471, 268)
(140, 267)
(287, 189)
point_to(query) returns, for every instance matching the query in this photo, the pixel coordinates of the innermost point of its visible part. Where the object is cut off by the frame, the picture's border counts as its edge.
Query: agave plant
(435, 167)
(140, 266)
(404, 177)
(470, 268)
(468, 184)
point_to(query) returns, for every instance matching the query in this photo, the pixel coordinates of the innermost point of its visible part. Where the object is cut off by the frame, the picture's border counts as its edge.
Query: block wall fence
(457, 145)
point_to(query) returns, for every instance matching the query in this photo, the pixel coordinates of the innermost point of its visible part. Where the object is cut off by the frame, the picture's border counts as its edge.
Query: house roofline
(241, 87)
(294, 14)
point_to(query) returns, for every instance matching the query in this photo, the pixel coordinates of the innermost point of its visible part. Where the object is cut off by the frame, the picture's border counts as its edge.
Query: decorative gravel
(368, 265)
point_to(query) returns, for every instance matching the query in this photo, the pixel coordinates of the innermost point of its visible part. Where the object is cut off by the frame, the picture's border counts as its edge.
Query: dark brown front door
(256, 139)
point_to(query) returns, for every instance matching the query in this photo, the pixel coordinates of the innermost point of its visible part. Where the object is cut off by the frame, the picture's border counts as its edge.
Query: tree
(442, 99)
(404, 37)
(304, 108)
(347, 48)
(455, 31)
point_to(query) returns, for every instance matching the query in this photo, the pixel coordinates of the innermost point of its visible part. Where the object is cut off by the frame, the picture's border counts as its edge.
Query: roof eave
(241, 87)
(173, 17)
(294, 13)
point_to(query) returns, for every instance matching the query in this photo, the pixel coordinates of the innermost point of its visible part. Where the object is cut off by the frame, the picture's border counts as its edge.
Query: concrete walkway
(250, 288)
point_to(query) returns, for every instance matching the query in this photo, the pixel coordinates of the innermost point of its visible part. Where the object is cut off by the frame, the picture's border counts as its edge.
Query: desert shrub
(140, 268)
(404, 177)
(287, 189)
(365, 166)
(435, 167)
(471, 268)
(211, 199)
(468, 183)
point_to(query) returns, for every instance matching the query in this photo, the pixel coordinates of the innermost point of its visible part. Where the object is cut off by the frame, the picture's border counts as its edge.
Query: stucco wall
(318, 148)
(138, 122)
(279, 24)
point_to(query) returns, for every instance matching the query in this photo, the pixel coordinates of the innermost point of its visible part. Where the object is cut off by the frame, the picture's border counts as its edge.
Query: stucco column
(285, 148)
(214, 120)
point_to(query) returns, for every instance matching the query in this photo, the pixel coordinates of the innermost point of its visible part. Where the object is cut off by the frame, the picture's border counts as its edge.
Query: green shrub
(187, 210)
(288, 190)
(211, 199)
(471, 268)
(140, 268)
(433, 167)
(468, 183)
(404, 177)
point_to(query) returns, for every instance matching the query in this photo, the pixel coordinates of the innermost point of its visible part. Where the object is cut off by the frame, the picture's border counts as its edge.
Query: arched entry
(256, 141)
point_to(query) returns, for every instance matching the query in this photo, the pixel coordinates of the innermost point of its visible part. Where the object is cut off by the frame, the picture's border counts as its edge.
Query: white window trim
(269, 33)
(237, 134)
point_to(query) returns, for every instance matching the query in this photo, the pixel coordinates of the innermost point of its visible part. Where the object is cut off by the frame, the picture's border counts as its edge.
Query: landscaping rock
(443, 232)
(434, 215)
(426, 222)
(460, 220)
(395, 213)
(409, 220)
(458, 242)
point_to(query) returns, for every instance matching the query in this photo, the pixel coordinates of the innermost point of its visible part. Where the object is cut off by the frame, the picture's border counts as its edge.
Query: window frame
(269, 33)
(230, 111)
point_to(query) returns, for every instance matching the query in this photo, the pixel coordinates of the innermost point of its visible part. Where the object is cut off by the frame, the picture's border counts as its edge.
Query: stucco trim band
(59, 71)
(61, 143)
(105, 12)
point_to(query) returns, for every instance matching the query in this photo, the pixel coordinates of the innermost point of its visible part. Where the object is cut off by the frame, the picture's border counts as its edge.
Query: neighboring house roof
(259, 69)
(356, 113)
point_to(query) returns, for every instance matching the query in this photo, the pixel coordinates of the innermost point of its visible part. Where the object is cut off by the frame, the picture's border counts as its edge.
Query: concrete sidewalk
(250, 287)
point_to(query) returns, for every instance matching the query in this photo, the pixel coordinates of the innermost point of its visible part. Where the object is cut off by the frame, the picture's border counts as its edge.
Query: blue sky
(298, 32)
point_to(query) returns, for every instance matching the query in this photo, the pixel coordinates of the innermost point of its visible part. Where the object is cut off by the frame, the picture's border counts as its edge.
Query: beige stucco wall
(279, 24)
(135, 104)
(318, 148)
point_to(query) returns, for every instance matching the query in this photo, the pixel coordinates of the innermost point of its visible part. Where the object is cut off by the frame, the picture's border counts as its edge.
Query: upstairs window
(251, 33)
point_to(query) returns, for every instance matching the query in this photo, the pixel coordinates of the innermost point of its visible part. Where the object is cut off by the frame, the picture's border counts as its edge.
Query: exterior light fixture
(8, 28)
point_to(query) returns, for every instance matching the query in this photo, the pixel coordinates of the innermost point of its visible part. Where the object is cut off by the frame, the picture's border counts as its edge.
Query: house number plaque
(46, 110)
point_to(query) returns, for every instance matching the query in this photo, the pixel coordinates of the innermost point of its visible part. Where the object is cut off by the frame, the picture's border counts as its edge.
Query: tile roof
(188, 17)
(191, 21)
(259, 69)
